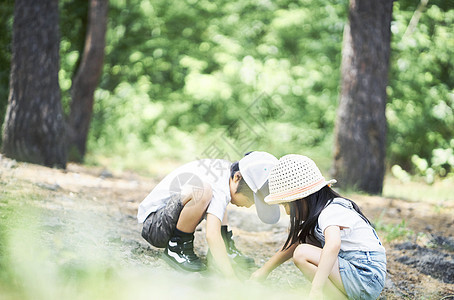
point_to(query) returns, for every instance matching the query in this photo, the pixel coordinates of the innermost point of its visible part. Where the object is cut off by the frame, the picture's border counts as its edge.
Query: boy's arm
(327, 259)
(276, 260)
(217, 246)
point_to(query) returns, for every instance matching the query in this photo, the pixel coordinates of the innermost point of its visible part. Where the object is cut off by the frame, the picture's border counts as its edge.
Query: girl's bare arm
(276, 260)
(327, 258)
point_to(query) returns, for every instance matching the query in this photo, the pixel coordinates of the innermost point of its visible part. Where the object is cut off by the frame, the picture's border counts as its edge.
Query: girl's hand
(260, 275)
(277, 259)
(316, 294)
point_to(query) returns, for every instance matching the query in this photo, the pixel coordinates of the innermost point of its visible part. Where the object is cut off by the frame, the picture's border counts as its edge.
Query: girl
(349, 260)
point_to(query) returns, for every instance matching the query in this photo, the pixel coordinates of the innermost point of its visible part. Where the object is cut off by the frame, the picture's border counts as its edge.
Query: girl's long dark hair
(304, 214)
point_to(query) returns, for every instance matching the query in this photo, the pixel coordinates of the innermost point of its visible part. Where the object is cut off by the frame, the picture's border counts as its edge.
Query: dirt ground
(420, 266)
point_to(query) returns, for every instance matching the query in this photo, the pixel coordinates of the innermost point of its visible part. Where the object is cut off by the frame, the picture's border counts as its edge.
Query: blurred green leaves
(196, 67)
(421, 87)
(179, 74)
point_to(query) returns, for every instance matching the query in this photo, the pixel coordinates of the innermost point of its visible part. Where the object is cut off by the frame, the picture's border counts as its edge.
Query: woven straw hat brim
(289, 196)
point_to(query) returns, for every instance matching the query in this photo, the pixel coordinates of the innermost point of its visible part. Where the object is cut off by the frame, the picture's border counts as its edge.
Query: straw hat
(294, 177)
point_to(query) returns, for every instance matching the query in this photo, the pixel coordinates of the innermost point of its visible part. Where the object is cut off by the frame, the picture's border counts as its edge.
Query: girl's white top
(356, 234)
(215, 172)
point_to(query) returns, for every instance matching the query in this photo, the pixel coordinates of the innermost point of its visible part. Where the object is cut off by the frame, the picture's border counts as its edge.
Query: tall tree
(360, 134)
(34, 128)
(86, 79)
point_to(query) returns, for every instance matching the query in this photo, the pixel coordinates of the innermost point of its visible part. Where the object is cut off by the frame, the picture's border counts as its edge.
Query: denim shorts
(363, 273)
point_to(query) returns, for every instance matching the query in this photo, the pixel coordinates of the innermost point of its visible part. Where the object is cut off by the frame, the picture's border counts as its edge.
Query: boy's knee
(196, 195)
(201, 195)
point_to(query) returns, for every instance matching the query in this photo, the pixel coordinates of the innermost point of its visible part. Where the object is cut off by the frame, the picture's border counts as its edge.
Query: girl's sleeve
(336, 215)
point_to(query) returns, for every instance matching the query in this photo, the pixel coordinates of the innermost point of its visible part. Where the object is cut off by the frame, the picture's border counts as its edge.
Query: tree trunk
(34, 126)
(86, 79)
(360, 146)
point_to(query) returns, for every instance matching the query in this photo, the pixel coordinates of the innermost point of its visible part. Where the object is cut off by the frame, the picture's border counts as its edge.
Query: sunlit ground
(436, 193)
(79, 264)
(59, 245)
(43, 257)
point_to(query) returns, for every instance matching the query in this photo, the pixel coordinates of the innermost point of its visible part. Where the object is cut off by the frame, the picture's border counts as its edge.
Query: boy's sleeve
(336, 215)
(218, 205)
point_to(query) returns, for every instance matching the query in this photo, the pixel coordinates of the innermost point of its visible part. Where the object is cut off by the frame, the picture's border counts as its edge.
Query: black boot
(235, 254)
(179, 253)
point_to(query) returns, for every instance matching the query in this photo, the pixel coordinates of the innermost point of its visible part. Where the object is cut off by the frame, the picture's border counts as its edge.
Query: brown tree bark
(34, 125)
(86, 79)
(360, 134)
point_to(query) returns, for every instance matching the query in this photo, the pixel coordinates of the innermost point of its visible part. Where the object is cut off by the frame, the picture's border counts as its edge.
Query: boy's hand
(217, 246)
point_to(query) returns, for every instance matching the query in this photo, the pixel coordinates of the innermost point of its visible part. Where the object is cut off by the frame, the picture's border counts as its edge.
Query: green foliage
(6, 27)
(196, 67)
(181, 76)
(73, 27)
(442, 164)
(421, 89)
(4, 260)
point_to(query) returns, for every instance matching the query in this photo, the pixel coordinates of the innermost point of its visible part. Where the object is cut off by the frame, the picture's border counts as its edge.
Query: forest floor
(73, 234)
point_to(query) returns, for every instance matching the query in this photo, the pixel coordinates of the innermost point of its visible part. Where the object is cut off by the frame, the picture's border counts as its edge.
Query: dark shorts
(158, 227)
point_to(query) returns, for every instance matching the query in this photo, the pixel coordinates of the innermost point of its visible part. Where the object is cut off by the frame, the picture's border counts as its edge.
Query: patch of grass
(163, 153)
(393, 232)
(438, 192)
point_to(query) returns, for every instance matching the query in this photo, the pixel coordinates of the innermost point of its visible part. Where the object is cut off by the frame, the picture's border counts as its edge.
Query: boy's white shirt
(215, 172)
(358, 235)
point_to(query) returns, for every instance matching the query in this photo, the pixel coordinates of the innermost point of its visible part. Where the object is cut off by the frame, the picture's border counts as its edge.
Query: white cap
(255, 169)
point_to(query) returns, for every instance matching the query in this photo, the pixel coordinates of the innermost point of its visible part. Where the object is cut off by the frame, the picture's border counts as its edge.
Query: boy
(174, 208)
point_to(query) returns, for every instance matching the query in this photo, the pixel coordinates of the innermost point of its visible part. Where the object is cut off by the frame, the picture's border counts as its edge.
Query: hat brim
(274, 199)
(267, 213)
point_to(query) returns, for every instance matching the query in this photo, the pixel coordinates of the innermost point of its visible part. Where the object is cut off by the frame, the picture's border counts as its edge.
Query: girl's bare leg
(307, 258)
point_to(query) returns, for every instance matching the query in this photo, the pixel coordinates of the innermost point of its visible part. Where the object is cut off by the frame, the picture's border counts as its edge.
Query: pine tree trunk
(360, 145)
(34, 126)
(86, 79)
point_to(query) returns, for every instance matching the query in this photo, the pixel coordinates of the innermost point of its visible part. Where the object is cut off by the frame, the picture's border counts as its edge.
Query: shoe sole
(177, 266)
